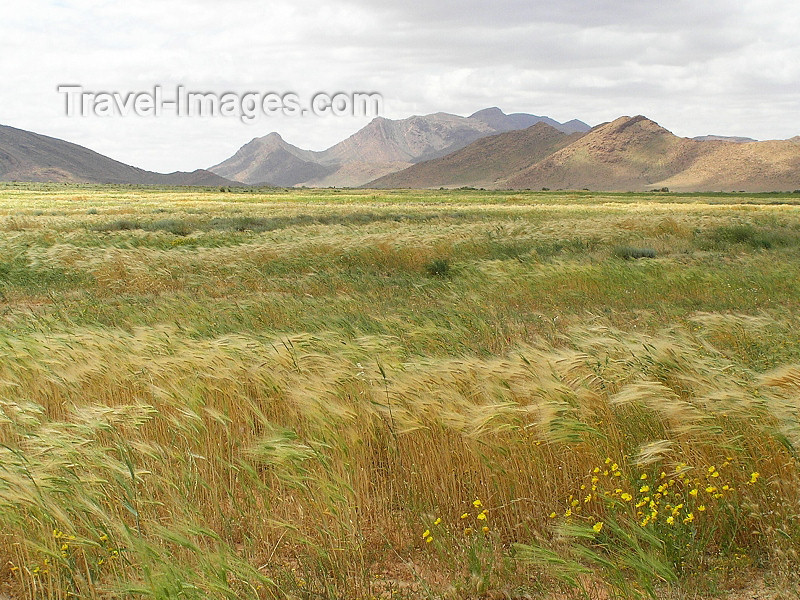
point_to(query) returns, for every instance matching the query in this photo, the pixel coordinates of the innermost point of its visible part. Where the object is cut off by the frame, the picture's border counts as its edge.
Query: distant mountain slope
(382, 146)
(198, 177)
(499, 121)
(484, 161)
(627, 154)
(350, 173)
(723, 138)
(574, 126)
(28, 156)
(271, 159)
(753, 167)
(407, 140)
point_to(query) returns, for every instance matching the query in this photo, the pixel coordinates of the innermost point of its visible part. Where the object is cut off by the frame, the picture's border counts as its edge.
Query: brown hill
(28, 156)
(627, 154)
(636, 153)
(754, 167)
(483, 162)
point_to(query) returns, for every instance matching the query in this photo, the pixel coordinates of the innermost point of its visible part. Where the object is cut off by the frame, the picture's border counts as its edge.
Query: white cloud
(695, 67)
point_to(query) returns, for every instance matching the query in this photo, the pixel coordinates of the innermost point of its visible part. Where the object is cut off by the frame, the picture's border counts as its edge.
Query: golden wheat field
(352, 394)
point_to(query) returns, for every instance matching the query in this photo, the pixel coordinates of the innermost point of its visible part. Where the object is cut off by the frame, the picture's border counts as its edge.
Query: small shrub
(173, 226)
(438, 267)
(576, 246)
(509, 249)
(629, 252)
(725, 236)
(119, 225)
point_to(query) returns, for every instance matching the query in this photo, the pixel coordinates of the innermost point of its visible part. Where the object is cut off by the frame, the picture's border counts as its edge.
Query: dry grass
(284, 413)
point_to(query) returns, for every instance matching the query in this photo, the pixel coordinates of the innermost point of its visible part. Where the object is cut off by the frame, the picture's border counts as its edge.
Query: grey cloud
(698, 67)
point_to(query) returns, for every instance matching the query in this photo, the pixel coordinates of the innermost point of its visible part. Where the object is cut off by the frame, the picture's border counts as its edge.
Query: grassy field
(357, 394)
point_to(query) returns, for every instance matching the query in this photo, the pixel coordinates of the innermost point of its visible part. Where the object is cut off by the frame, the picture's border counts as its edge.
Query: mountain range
(383, 146)
(488, 149)
(629, 153)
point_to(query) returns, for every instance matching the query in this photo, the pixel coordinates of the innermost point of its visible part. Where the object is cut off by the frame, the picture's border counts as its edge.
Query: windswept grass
(370, 395)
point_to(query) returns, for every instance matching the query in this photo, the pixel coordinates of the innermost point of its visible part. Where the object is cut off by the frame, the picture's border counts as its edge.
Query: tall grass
(348, 407)
(183, 468)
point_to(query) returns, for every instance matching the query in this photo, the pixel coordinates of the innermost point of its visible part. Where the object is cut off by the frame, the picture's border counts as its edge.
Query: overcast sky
(729, 67)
